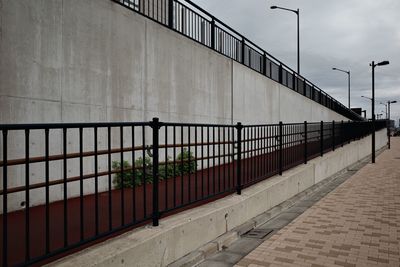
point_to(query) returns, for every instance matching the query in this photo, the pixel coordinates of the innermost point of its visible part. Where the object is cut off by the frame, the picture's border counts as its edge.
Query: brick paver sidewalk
(357, 224)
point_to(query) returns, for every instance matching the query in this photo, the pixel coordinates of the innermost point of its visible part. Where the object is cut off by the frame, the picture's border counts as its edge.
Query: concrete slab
(210, 263)
(275, 224)
(227, 257)
(244, 245)
(297, 209)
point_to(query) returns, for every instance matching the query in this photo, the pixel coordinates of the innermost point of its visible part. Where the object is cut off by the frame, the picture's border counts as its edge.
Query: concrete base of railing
(180, 234)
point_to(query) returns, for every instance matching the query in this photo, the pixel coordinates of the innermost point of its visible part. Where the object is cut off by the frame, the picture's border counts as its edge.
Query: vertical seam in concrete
(62, 66)
(144, 78)
(231, 91)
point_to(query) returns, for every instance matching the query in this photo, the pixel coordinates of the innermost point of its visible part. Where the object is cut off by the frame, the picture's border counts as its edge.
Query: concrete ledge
(181, 234)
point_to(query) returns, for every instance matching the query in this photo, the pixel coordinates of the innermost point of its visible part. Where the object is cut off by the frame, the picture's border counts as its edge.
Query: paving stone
(356, 224)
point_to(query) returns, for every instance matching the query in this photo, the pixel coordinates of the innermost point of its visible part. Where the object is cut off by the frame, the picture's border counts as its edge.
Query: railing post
(265, 64)
(333, 135)
(305, 142)
(171, 14)
(294, 81)
(213, 34)
(312, 92)
(239, 128)
(348, 132)
(155, 125)
(280, 148)
(243, 44)
(322, 138)
(280, 73)
(341, 134)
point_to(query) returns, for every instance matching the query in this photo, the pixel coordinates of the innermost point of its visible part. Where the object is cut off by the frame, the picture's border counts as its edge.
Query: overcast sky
(347, 34)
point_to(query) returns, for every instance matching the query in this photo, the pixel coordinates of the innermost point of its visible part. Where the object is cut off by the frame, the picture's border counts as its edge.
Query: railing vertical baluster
(166, 166)
(96, 183)
(144, 171)
(190, 172)
(264, 61)
(27, 202)
(174, 162)
(155, 125)
(305, 142)
(322, 139)
(195, 164)
(81, 226)
(133, 176)
(121, 140)
(333, 135)
(243, 50)
(280, 147)
(294, 81)
(341, 134)
(213, 34)
(65, 187)
(109, 178)
(171, 14)
(5, 200)
(47, 188)
(181, 166)
(239, 128)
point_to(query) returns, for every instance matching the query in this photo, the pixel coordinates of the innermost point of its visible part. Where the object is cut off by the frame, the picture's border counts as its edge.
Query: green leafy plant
(143, 170)
(183, 164)
(133, 177)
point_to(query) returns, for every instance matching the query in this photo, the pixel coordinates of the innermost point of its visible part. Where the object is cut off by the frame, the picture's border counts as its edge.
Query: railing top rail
(61, 125)
(43, 126)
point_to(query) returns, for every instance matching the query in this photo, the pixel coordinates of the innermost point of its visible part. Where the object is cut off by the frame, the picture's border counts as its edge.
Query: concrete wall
(180, 234)
(84, 60)
(92, 61)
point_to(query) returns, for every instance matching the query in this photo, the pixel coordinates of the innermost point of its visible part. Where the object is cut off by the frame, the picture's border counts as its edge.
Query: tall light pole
(348, 73)
(386, 108)
(297, 12)
(388, 117)
(373, 65)
(366, 97)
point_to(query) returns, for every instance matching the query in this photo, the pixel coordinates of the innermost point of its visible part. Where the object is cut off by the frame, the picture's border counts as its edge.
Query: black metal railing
(65, 185)
(190, 20)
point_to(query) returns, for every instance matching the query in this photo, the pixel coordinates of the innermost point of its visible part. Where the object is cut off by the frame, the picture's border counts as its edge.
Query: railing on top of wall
(187, 18)
(81, 182)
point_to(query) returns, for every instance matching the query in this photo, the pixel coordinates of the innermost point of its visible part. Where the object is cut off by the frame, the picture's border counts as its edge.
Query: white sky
(347, 34)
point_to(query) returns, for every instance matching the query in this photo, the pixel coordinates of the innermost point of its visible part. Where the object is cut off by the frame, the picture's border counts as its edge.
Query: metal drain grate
(258, 233)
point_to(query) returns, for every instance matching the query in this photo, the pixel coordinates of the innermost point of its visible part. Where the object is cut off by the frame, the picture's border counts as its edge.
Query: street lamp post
(386, 108)
(388, 117)
(297, 12)
(373, 65)
(348, 73)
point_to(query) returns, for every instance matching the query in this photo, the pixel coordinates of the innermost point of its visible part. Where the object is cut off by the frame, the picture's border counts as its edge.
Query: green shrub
(166, 171)
(128, 173)
(182, 163)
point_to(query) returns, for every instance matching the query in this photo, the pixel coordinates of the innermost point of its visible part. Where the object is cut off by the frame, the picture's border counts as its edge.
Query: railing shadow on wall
(66, 185)
(190, 20)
